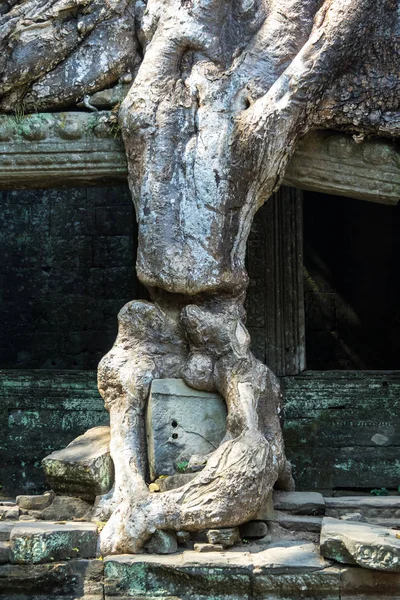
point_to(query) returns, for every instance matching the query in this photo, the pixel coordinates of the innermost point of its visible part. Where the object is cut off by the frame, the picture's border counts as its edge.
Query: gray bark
(217, 104)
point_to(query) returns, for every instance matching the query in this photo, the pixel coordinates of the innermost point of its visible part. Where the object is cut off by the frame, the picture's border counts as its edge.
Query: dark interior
(352, 283)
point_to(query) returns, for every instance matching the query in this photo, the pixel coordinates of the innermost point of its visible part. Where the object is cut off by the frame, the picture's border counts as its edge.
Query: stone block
(290, 557)
(199, 547)
(26, 580)
(299, 503)
(253, 530)
(64, 508)
(181, 422)
(266, 511)
(224, 537)
(359, 583)
(9, 513)
(5, 553)
(49, 542)
(162, 542)
(5, 530)
(37, 502)
(369, 546)
(84, 468)
(370, 507)
(298, 522)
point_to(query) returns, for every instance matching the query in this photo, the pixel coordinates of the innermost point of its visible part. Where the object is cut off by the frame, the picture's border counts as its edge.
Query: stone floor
(277, 556)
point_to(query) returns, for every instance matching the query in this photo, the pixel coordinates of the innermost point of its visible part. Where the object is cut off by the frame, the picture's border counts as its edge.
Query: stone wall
(67, 268)
(342, 430)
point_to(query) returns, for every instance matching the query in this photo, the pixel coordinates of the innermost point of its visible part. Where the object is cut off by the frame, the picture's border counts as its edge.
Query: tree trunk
(221, 97)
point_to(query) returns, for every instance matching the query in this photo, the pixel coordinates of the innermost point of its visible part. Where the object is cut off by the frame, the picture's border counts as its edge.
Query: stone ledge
(77, 148)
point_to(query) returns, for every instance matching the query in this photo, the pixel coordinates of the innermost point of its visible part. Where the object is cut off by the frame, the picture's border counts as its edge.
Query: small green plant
(380, 492)
(19, 112)
(182, 465)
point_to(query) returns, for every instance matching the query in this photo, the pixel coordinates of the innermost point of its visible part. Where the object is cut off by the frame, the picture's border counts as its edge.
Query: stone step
(370, 507)
(37, 502)
(299, 503)
(42, 542)
(5, 530)
(9, 513)
(298, 522)
(366, 545)
(5, 553)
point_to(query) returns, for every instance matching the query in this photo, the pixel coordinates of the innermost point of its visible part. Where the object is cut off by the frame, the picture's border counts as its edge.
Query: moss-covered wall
(67, 268)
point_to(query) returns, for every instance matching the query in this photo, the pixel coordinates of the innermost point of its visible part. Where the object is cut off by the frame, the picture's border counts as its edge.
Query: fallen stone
(84, 468)
(198, 547)
(5, 553)
(27, 518)
(7, 503)
(299, 503)
(9, 513)
(253, 530)
(174, 481)
(65, 508)
(298, 522)
(38, 502)
(367, 545)
(223, 537)
(5, 530)
(162, 542)
(181, 422)
(48, 542)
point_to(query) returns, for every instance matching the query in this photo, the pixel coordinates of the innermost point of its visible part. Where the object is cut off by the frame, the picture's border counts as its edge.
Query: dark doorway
(352, 283)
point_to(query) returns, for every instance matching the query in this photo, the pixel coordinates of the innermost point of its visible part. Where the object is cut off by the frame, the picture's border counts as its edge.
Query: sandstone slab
(181, 422)
(366, 545)
(48, 542)
(299, 503)
(84, 468)
(298, 522)
(64, 508)
(9, 513)
(37, 502)
(5, 530)
(372, 508)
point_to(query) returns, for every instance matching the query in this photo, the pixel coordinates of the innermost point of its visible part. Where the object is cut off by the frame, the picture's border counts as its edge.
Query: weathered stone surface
(266, 512)
(331, 420)
(174, 481)
(30, 579)
(183, 537)
(9, 513)
(253, 530)
(38, 502)
(84, 468)
(298, 522)
(5, 530)
(289, 570)
(49, 542)
(224, 537)
(369, 546)
(359, 583)
(370, 507)
(353, 517)
(199, 547)
(64, 508)
(181, 421)
(5, 552)
(162, 542)
(299, 503)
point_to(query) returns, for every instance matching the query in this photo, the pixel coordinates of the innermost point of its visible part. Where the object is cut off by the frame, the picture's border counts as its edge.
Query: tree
(221, 93)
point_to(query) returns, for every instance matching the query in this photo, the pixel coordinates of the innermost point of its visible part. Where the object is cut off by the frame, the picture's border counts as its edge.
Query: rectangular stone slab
(363, 544)
(44, 542)
(181, 422)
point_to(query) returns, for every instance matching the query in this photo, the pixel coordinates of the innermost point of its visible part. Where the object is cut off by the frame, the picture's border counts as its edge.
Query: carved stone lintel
(78, 149)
